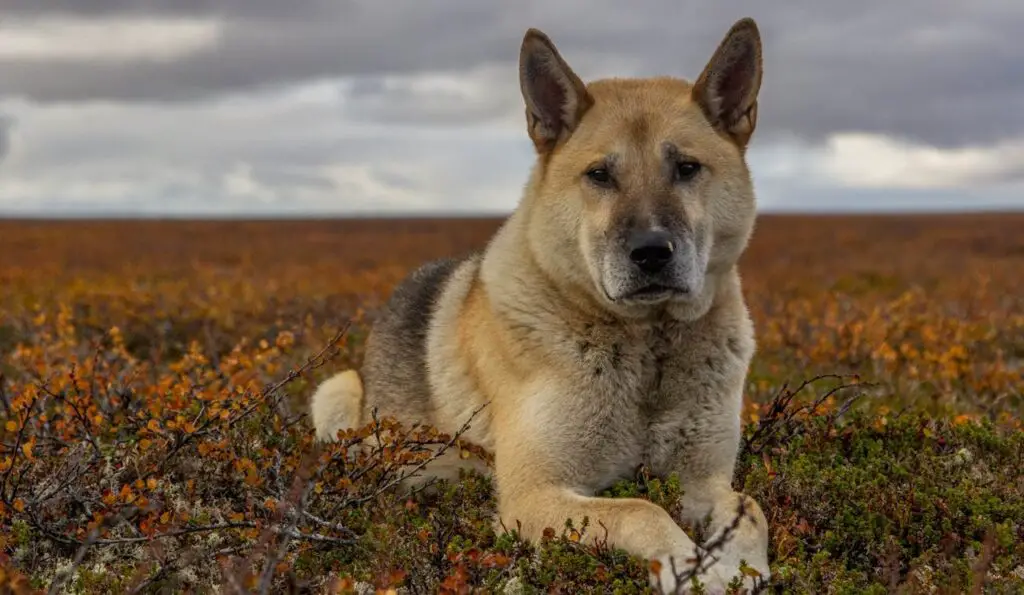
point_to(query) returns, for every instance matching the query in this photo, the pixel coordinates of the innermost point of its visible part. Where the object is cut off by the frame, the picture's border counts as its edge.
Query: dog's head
(641, 193)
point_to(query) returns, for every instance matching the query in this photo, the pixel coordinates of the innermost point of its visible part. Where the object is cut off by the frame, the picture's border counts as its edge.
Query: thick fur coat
(603, 327)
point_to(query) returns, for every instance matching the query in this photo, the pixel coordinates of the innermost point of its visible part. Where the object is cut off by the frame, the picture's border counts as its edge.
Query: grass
(154, 438)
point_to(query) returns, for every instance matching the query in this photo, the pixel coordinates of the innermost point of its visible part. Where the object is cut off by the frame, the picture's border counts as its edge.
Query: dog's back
(394, 372)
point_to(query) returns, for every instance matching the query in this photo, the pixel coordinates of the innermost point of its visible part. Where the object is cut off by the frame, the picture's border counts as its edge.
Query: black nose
(651, 250)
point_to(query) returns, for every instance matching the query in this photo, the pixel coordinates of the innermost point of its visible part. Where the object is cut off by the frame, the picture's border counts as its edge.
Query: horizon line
(441, 214)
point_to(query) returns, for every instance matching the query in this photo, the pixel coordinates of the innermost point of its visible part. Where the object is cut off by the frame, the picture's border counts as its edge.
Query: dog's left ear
(555, 97)
(727, 89)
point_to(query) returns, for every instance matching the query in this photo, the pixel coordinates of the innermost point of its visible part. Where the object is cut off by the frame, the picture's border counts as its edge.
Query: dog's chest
(660, 395)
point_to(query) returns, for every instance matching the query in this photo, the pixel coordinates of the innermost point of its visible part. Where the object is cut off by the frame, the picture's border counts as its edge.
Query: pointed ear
(727, 89)
(555, 97)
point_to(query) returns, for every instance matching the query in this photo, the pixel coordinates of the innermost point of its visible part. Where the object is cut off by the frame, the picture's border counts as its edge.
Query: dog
(602, 327)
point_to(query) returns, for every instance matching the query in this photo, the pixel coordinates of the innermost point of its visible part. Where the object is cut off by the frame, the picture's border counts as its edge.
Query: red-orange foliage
(151, 400)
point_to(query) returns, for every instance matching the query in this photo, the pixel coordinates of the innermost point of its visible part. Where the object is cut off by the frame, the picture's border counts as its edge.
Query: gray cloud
(823, 199)
(478, 97)
(344, 106)
(943, 72)
(6, 124)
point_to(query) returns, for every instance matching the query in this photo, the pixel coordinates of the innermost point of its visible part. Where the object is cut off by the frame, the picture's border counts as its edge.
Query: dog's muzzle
(656, 265)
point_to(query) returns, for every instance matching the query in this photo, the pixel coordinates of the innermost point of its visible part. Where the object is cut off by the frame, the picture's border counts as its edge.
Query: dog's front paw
(680, 577)
(716, 579)
(751, 576)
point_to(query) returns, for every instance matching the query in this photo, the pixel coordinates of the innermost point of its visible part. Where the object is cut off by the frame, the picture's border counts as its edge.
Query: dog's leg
(741, 535)
(337, 404)
(447, 466)
(637, 526)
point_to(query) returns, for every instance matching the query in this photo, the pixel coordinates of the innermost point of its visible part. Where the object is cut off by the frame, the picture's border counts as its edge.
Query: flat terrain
(153, 378)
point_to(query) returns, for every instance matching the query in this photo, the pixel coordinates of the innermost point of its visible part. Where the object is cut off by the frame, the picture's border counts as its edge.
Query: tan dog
(603, 325)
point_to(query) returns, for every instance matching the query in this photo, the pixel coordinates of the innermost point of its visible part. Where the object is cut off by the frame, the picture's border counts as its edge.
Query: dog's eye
(685, 170)
(600, 176)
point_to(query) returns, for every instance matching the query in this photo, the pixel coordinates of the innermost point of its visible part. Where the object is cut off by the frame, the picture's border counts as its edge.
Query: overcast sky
(366, 106)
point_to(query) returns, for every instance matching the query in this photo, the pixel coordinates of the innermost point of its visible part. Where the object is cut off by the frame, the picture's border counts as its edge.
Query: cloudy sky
(370, 106)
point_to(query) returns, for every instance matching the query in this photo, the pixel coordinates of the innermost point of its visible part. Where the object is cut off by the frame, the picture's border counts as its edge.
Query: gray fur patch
(394, 368)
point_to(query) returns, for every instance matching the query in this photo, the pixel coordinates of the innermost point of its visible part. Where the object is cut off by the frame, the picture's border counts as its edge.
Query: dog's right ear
(556, 98)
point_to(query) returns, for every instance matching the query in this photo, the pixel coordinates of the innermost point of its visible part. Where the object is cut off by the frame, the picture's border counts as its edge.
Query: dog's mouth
(655, 292)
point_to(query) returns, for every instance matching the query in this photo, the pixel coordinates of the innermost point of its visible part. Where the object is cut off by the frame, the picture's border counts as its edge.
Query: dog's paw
(716, 579)
(680, 580)
(750, 575)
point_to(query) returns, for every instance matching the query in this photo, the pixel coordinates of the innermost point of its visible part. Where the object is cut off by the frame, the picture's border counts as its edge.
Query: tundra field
(154, 434)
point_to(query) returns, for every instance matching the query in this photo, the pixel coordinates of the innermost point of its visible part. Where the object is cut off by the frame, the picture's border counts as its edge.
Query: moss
(870, 503)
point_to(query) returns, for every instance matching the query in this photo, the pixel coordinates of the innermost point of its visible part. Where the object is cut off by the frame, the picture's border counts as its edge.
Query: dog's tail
(337, 404)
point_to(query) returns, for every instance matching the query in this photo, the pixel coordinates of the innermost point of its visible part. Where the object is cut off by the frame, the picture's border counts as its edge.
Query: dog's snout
(651, 250)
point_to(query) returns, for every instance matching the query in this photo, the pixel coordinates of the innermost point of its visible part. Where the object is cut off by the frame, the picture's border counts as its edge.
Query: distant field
(151, 437)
